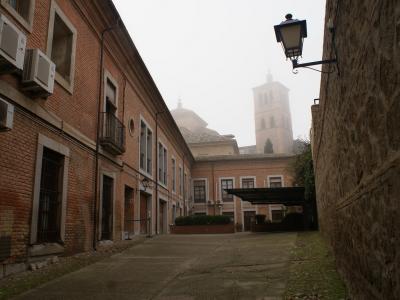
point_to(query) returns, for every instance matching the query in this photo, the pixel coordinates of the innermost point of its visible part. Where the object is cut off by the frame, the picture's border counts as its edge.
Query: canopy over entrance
(279, 195)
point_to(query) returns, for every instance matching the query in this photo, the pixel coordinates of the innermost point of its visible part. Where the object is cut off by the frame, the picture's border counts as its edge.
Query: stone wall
(356, 141)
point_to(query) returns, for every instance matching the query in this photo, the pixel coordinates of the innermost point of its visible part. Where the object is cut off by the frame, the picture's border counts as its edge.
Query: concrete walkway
(234, 266)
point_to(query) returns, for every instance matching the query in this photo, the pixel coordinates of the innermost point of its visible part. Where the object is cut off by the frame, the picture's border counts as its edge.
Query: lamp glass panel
(291, 36)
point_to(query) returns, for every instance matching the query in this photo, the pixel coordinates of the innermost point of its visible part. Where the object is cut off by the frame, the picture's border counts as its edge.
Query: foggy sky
(211, 53)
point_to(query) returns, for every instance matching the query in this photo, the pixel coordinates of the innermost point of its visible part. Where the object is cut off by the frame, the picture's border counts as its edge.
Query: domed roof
(193, 128)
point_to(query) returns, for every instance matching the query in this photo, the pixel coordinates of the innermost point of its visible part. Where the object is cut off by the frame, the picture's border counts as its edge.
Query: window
(226, 184)
(275, 181)
(262, 124)
(22, 10)
(173, 163)
(49, 192)
(180, 180)
(248, 183)
(185, 182)
(146, 141)
(49, 217)
(61, 46)
(162, 164)
(110, 96)
(199, 191)
(272, 122)
(265, 98)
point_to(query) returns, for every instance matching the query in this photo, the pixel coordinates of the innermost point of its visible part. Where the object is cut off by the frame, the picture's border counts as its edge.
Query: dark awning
(280, 195)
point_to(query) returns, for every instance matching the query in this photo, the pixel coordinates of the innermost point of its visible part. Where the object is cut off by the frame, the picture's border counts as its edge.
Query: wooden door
(107, 209)
(249, 217)
(162, 216)
(129, 212)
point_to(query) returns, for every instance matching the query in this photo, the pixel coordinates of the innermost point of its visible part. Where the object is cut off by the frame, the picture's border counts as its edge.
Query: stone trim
(16, 96)
(44, 141)
(55, 9)
(26, 23)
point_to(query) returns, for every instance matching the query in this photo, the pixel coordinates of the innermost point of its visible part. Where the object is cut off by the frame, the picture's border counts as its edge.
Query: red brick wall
(19, 146)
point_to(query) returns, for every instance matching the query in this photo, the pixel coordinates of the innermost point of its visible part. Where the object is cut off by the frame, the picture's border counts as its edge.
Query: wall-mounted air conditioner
(39, 73)
(6, 115)
(12, 46)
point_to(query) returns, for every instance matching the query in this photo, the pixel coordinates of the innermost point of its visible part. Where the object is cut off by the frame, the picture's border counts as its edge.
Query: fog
(211, 53)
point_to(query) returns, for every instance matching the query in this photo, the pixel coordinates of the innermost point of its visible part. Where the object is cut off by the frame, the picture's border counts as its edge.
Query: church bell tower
(273, 122)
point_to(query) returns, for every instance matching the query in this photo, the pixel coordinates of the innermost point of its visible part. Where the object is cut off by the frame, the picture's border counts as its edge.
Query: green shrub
(202, 220)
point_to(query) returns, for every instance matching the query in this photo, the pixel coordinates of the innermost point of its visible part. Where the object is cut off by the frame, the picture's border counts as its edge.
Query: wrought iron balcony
(112, 134)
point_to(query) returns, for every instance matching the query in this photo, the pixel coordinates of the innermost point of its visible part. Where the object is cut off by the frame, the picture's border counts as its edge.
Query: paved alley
(235, 266)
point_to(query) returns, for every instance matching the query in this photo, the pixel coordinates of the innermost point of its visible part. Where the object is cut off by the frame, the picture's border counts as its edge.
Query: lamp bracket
(319, 62)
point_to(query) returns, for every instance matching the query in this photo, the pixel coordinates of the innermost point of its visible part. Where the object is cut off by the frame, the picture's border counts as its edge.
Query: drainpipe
(96, 179)
(157, 154)
(184, 187)
(213, 187)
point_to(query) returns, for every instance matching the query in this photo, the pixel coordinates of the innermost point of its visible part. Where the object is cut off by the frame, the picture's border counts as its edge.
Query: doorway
(248, 219)
(163, 217)
(144, 218)
(129, 212)
(107, 208)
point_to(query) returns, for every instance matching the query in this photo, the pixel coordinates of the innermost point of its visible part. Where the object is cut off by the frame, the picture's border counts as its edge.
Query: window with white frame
(173, 163)
(61, 46)
(110, 96)
(22, 10)
(226, 184)
(275, 181)
(185, 184)
(199, 190)
(162, 164)
(49, 200)
(180, 180)
(248, 183)
(146, 141)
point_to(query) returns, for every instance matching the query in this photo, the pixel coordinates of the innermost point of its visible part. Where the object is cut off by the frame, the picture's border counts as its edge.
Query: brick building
(212, 174)
(219, 165)
(79, 159)
(90, 154)
(356, 146)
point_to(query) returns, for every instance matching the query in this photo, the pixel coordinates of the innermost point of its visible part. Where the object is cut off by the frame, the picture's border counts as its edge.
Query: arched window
(265, 99)
(272, 122)
(271, 95)
(262, 125)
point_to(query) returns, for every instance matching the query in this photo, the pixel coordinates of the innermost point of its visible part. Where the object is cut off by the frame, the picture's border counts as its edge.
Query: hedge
(202, 220)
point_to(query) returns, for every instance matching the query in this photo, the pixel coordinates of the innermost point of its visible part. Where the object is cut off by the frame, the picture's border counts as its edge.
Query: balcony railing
(112, 134)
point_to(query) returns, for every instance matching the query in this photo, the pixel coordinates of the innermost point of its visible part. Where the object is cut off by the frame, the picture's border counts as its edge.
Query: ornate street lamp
(291, 33)
(146, 184)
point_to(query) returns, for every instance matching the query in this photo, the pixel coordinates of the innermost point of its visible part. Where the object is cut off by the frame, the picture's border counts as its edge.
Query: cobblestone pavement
(232, 266)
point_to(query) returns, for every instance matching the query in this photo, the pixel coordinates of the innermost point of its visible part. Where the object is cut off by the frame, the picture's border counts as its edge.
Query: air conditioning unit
(12, 46)
(6, 115)
(39, 73)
